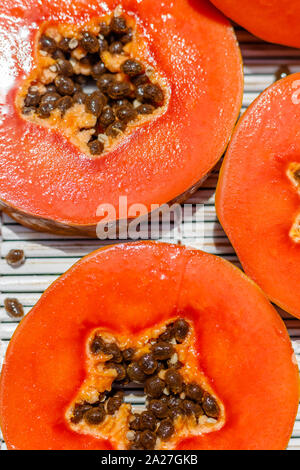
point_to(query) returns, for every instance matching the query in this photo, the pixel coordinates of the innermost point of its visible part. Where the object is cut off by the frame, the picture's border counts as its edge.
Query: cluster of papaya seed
(167, 395)
(118, 98)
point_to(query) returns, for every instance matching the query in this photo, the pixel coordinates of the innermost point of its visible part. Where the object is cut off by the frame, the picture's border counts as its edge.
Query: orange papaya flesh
(258, 198)
(48, 184)
(242, 347)
(274, 21)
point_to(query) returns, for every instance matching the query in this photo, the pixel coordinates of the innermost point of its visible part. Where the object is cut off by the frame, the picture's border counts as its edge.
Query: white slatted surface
(48, 256)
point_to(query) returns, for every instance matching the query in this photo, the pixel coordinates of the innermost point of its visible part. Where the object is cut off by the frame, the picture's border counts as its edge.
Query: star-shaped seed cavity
(294, 175)
(95, 83)
(146, 391)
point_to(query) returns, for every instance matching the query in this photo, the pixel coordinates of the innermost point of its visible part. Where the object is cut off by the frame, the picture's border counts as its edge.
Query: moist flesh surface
(157, 368)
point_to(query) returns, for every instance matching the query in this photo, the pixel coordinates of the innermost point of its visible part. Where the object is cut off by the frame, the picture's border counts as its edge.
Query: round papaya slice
(110, 99)
(186, 330)
(258, 194)
(274, 21)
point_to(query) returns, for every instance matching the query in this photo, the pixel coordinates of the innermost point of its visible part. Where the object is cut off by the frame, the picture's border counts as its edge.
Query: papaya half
(167, 81)
(258, 194)
(273, 20)
(212, 354)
